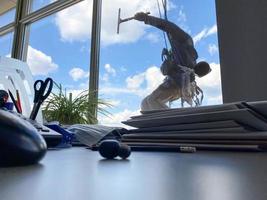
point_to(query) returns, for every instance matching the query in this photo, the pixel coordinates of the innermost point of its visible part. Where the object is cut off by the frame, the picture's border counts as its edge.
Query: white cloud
(154, 78)
(214, 99)
(212, 48)
(78, 73)
(112, 102)
(105, 77)
(200, 35)
(116, 118)
(205, 33)
(84, 85)
(182, 19)
(39, 62)
(181, 15)
(211, 85)
(153, 37)
(212, 30)
(135, 81)
(110, 69)
(74, 23)
(144, 83)
(213, 79)
(139, 84)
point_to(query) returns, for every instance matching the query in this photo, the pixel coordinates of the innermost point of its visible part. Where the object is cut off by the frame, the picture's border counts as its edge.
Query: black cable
(164, 4)
(164, 35)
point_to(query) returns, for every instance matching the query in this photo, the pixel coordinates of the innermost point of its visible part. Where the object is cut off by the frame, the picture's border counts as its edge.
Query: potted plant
(68, 110)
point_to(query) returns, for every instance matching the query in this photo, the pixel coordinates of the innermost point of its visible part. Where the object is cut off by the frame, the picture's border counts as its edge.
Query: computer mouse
(20, 142)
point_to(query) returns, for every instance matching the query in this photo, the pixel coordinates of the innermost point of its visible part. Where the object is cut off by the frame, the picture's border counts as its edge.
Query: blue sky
(129, 64)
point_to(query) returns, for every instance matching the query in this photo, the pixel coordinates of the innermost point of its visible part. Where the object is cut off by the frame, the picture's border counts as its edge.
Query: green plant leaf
(63, 108)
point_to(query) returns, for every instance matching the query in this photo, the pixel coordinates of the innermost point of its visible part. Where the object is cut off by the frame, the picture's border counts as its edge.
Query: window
(130, 62)
(7, 12)
(59, 47)
(7, 17)
(37, 4)
(6, 44)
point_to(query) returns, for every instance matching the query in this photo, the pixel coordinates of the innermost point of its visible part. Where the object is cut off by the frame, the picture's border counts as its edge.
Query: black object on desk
(20, 142)
(110, 149)
(40, 94)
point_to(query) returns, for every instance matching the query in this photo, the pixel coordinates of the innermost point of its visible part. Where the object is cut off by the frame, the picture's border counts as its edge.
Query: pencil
(18, 101)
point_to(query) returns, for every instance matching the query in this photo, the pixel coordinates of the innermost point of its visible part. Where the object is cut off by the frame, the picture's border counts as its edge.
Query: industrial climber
(179, 65)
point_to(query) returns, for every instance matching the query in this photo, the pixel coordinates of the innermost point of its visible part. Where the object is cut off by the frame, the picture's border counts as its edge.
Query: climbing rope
(160, 15)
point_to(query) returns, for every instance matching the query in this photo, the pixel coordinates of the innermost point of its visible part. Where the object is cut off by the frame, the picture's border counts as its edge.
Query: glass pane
(131, 60)
(6, 44)
(56, 49)
(37, 4)
(7, 12)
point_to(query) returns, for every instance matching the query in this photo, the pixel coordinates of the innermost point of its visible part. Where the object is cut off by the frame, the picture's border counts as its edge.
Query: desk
(80, 174)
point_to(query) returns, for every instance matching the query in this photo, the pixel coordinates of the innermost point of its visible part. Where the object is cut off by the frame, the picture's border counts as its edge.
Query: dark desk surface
(79, 174)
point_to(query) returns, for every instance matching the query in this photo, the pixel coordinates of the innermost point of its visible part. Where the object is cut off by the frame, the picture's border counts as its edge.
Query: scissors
(42, 89)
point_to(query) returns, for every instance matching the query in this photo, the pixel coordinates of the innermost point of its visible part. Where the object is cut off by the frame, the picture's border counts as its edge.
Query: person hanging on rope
(179, 66)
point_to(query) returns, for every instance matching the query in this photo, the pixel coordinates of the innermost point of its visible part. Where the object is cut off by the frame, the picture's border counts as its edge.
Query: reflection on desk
(79, 173)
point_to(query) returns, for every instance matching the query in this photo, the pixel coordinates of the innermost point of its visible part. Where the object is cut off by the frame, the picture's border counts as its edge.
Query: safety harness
(183, 77)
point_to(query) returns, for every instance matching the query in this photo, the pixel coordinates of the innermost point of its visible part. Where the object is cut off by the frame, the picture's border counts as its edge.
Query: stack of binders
(234, 126)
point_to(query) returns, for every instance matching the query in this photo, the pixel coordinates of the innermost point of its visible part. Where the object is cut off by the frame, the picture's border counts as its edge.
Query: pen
(14, 101)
